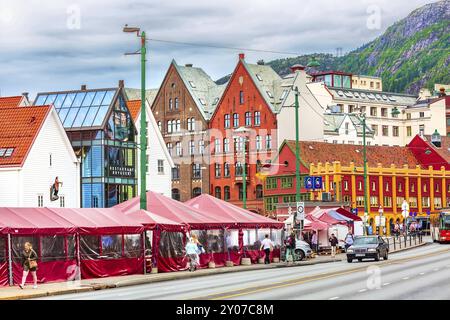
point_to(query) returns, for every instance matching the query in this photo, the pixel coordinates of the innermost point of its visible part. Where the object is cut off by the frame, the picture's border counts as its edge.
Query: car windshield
(365, 240)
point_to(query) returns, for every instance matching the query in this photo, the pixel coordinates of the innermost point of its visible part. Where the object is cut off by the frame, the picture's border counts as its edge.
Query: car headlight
(350, 250)
(372, 250)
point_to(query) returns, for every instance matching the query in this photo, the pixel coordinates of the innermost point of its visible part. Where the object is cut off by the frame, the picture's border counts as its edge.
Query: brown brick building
(182, 108)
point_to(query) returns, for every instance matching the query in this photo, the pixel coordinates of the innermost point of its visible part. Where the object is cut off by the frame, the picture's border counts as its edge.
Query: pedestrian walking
(334, 242)
(396, 229)
(290, 246)
(267, 246)
(314, 241)
(192, 253)
(29, 264)
(369, 230)
(348, 240)
(201, 249)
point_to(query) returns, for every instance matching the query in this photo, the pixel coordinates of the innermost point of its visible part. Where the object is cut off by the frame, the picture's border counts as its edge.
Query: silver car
(302, 250)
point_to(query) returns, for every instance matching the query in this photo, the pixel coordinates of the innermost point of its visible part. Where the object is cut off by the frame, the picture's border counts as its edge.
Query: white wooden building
(34, 150)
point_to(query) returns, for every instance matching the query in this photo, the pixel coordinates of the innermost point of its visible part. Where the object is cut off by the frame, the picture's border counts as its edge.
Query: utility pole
(143, 130)
(297, 159)
(143, 127)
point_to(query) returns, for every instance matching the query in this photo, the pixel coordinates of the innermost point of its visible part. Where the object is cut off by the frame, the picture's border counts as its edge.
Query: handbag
(32, 263)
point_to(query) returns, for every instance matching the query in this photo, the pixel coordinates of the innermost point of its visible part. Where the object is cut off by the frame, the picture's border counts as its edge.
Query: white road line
(422, 273)
(362, 290)
(333, 298)
(387, 283)
(436, 269)
(405, 278)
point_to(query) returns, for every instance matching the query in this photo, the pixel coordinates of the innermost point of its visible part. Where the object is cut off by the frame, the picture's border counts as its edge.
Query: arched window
(196, 192)
(176, 194)
(235, 120)
(218, 193)
(176, 103)
(226, 169)
(170, 104)
(259, 191)
(238, 171)
(226, 121)
(226, 193)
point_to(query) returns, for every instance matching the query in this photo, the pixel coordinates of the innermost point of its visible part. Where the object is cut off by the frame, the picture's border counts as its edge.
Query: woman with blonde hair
(29, 263)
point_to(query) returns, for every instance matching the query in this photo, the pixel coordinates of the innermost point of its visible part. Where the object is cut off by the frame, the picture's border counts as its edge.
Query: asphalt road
(421, 273)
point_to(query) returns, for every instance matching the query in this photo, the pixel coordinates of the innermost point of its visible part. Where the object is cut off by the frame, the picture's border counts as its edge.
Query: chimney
(241, 56)
(83, 87)
(436, 139)
(121, 83)
(297, 67)
(441, 92)
(189, 65)
(260, 62)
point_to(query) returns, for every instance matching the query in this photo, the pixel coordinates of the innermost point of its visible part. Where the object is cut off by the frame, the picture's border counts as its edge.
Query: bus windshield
(446, 222)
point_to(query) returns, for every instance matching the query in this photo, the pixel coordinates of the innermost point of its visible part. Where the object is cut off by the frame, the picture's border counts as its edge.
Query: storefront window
(232, 239)
(133, 247)
(17, 246)
(250, 239)
(89, 247)
(276, 236)
(53, 248)
(112, 246)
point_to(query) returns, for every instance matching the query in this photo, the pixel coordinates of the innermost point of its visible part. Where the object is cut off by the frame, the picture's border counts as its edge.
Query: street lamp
(243, 130)
(362, 115)
(143, 129)
(395, 112)
(297, 159)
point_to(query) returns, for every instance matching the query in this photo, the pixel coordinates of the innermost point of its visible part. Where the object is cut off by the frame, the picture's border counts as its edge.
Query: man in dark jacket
(290, 246)
(333, 242)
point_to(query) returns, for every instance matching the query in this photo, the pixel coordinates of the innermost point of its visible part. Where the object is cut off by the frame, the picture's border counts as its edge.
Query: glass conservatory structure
(101, 131)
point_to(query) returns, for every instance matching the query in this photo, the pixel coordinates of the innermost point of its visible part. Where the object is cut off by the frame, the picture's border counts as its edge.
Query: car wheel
(300, 254)
(377, 257)
(349, 260)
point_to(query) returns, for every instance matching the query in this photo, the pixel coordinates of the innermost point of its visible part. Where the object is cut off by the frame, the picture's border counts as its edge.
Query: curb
(47, 294)
(412, 247)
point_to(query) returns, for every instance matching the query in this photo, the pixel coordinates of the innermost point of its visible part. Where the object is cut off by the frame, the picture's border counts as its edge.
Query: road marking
(334, 298)
(386, 284)
(436, 269)
(362, 290)
(282, 284)
(405, 278)
(422, 273)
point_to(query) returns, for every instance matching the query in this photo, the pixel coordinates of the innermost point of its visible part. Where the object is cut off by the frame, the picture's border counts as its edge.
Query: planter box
(229, 264)
(246, 261)
(211, 265)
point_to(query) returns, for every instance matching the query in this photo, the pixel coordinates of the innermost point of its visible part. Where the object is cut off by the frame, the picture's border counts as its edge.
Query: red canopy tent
(56, 234)
(235, 218)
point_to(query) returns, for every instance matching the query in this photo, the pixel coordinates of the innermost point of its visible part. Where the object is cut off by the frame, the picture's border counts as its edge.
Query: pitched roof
(205, 92)
(314, 152)
(135, 94)
(333, 121)
(370, 96)
(269, 84)
(19, 128)
(10, 102)
(134, 106)
(444, 150)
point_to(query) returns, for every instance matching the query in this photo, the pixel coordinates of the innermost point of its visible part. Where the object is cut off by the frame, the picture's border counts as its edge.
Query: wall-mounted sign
(119, 171)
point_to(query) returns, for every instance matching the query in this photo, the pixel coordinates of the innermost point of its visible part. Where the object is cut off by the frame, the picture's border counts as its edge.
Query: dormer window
(6, 152)
(259, 77)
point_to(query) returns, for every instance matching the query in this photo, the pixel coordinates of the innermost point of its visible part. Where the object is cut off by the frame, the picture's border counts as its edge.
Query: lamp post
(366, 195)
(143, 128)
(244, 170)
(380, 211)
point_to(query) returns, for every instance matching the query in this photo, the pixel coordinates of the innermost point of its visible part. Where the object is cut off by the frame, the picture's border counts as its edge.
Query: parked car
(302, 250)
(368, 247)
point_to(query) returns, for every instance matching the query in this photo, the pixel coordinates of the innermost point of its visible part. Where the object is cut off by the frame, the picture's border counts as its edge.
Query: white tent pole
(143, 248)
(11, 279)
(77, 243)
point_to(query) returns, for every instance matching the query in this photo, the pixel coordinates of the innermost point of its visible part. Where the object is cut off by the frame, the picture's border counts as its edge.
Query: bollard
(261, 260)
(229, 264)
(154, 270)
(246, 261)
(211, 265)
(276, 260)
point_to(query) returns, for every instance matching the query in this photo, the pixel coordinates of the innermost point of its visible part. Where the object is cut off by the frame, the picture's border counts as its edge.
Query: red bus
(440, 226)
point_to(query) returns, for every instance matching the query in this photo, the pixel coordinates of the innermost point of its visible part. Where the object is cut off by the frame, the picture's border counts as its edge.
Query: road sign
(309, 183)
(383, 221)
(317, 182)
(300, 211)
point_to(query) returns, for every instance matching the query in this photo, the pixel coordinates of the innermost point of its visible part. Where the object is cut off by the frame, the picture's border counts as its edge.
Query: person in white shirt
(314, 241)
(267, 246)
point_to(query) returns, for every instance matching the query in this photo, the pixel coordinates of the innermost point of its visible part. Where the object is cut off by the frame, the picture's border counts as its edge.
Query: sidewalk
(58, 288)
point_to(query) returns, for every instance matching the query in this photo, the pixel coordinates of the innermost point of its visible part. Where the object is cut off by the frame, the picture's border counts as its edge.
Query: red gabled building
(249, 101)
(431, 150)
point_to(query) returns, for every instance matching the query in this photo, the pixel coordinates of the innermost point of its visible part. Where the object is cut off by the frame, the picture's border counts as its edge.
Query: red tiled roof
(10, 102)
(314, 152)
(19, 128)
(135, 108)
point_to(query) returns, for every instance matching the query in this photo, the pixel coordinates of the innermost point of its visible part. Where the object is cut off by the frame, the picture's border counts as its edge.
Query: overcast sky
(59, 45)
